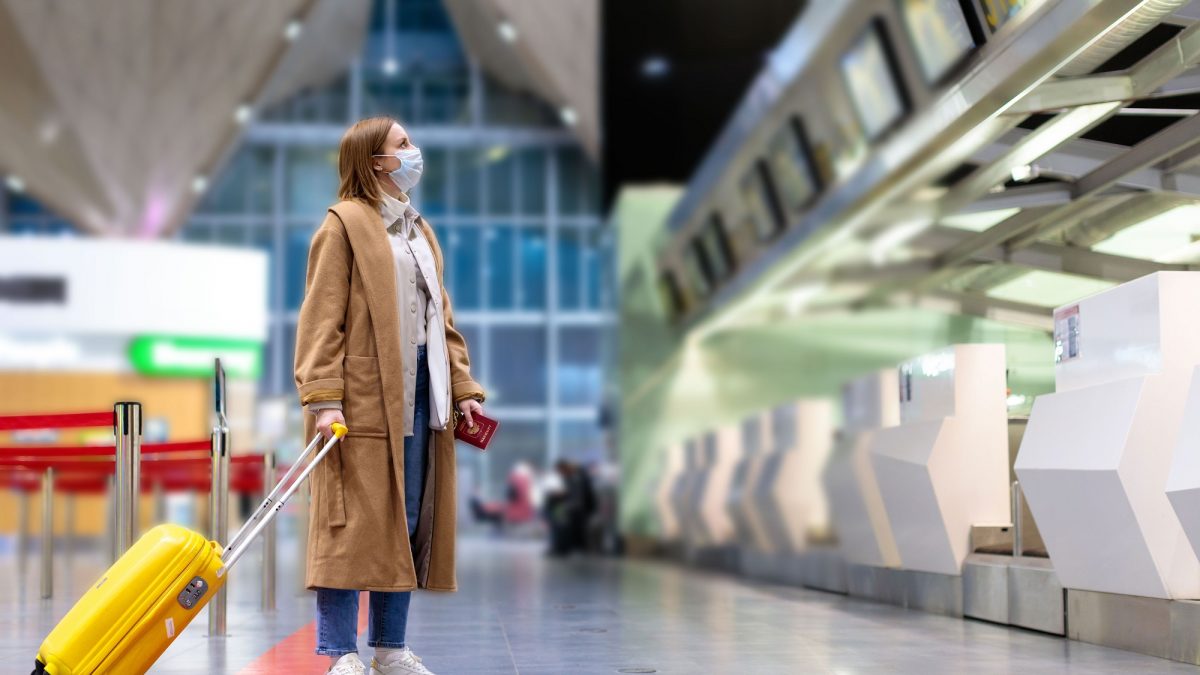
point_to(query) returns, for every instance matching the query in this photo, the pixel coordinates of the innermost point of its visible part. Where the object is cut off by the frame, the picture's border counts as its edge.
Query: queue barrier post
(268, 558)
(22, 532)
(127, 426)
(219, 498)
(48, 533)
(1018, 548)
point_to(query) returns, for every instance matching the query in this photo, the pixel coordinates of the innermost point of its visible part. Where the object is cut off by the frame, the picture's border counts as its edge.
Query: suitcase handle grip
(274, 501)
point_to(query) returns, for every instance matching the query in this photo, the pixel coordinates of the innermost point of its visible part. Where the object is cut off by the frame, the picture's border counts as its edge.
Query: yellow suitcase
(129, 617)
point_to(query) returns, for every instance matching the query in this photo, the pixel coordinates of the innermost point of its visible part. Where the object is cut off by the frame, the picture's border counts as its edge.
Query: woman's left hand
(468, 407)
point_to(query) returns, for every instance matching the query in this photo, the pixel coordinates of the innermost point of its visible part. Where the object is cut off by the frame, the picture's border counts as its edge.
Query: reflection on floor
(519, 613)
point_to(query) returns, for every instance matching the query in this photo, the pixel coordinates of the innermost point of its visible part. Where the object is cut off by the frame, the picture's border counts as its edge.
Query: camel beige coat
(348, 349)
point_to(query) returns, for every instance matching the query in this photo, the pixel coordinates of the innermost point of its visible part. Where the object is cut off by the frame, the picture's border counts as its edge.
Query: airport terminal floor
(518, 612)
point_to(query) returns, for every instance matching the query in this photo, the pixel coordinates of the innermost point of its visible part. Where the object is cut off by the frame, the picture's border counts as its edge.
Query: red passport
(480, 434)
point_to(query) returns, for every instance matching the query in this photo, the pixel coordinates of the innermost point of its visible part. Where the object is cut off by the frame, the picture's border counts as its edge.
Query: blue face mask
(411, 166)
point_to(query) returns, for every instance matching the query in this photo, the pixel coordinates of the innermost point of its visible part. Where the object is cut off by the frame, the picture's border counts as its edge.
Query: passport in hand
(480, 434)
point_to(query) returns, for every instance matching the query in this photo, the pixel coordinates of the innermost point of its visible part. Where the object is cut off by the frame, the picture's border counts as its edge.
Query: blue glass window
(501, 175)
(430, 194)
(296, 259)
(468, 165)
(580, 374)
(533, 268)
(464, 261)
(518, 376)
(533, 181)
(312, 181)
(499, 275)
(570, 269)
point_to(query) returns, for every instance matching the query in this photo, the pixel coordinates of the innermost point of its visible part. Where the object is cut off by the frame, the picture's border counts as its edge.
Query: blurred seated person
(517, 507)
(569, 508)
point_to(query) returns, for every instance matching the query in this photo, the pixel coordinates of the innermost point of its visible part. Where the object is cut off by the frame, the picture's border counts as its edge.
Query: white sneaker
(349, 664)
(402, 662)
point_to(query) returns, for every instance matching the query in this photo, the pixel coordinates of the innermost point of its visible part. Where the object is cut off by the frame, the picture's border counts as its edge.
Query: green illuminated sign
(174, 356)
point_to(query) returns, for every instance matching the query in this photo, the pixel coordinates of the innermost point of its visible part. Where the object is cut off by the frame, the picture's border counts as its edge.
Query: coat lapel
(376, 268)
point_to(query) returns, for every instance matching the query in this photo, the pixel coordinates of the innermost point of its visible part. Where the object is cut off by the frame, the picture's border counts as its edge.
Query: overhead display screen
(697, 276)
(761, 202)
(716, 248)
(999, 12)
(791, 162)
(940, 34)
(872, 84)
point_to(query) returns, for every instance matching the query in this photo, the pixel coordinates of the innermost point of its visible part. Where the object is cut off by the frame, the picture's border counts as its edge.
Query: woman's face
(397, 140)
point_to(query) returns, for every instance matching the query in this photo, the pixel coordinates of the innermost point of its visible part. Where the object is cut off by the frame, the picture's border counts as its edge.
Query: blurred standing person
(376, 349)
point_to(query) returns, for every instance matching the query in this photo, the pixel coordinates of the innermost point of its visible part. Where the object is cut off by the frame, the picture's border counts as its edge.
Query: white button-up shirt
(421, 316)
(422, 319)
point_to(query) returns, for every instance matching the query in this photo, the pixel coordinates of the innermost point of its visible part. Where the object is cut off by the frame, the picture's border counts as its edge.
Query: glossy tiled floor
(519, 613)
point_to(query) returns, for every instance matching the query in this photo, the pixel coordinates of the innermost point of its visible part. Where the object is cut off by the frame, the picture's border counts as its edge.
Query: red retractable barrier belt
(56, 421)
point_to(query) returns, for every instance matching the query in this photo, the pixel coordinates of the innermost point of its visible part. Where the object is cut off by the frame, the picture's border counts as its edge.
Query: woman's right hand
(326, 418)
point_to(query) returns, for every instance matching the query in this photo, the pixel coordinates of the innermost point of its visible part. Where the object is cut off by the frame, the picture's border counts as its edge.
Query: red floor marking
(295, 653)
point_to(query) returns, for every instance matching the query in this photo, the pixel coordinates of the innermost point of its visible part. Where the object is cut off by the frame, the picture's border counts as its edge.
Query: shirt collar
(393, 209)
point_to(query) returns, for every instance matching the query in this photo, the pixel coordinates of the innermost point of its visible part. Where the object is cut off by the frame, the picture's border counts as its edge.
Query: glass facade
(513, 199)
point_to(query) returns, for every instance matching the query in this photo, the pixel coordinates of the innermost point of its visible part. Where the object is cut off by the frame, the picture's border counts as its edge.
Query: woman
(376, 349)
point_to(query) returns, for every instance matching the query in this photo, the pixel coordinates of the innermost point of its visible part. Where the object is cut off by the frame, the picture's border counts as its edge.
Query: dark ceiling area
(673, 72)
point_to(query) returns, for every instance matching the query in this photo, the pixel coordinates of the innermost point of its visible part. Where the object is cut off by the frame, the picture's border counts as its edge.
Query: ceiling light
(390, 66)
(49, 131)
(243, 114)
(15, 183)
(655, 67)
(507, 31)
(1024, 172)
(569, 116)
(293, 30)
(200, 184)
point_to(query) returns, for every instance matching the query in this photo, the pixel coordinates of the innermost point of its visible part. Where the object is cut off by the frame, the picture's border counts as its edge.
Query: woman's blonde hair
(356, 162)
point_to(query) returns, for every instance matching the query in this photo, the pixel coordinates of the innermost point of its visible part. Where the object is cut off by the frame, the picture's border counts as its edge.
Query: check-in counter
(944, 468)
(720, 450)
(1096, 463)
(669, 528)
(860, 521)
(685, 486)
(751, 533)
(790, 499)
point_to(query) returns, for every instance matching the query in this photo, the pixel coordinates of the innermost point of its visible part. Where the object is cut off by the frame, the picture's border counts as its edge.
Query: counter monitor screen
(716, 248)
(672, 299)
(872, 83)
(999, 12)
(761, 201)
(696, 273)
(791, 163)
(940, 35)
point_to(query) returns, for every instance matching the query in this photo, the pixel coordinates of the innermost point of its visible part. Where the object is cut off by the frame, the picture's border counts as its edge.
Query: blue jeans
(337, 609)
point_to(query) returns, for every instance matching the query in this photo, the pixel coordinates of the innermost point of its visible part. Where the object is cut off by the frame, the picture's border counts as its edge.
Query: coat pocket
(363, 403)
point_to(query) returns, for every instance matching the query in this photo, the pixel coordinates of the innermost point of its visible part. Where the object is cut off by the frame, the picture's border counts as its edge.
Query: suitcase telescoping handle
(279, 495)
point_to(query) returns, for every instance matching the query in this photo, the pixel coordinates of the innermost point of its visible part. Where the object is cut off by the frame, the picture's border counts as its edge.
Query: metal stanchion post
(48, 534)
(69, 535)
(268, 571)
(22, 532)
(160, 503)
(302, 539)
(127, 424)
(110, 518)
(219, 499)
(1018, 545)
